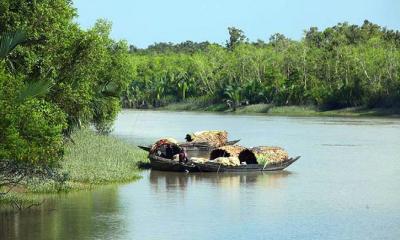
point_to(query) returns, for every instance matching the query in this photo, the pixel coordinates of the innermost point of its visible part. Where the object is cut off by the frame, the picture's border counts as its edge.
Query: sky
(145, 22)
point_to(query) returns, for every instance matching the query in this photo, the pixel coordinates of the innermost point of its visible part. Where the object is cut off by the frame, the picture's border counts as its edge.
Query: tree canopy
(58, 78)
(340, 66)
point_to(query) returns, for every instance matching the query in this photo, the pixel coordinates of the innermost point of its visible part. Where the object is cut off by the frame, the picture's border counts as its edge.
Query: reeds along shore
(91, 160)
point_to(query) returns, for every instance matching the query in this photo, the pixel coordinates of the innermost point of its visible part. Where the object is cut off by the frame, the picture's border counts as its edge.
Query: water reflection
(171, 181)
(71, 216)
(317, 200)
(348, 121)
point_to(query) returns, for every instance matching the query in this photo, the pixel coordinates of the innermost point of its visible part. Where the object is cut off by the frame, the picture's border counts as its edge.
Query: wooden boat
(194, 146)
(215, 167)
(203, 146)
(165, 164)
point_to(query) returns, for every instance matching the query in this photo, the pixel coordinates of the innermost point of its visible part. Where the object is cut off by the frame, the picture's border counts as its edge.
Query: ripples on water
(345, 186)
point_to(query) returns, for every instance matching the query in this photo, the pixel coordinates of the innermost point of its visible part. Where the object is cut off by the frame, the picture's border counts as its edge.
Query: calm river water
(345, 186)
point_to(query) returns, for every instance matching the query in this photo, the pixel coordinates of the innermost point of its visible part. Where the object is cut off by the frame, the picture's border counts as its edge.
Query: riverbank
(90, 160)
(270, 109)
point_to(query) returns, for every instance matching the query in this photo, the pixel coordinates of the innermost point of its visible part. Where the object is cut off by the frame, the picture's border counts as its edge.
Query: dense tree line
(188, 47)
(341, 66)
(54, 77)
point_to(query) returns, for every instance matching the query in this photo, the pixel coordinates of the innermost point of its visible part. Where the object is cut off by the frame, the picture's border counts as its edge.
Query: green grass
(262, 159)
(90, 161)
(99, 159)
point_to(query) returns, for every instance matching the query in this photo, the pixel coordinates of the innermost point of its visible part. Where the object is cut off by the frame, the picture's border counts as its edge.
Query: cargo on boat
(214, 138)
(169, 155)
(203, 141)
(240, 159)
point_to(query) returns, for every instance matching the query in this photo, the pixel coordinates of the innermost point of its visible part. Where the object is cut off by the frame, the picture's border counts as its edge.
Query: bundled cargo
(226, 161)
(240, 159)
(265, 154)
(226, 151)
(199, 160)
(214, 138)
(256, 155)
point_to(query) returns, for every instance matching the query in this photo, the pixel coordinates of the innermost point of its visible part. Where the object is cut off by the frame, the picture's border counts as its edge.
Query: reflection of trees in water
(75, 216)
(171, 180)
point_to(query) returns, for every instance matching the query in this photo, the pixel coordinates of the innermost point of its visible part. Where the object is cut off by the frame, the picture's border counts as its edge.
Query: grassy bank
(90, 160)
(270, 109)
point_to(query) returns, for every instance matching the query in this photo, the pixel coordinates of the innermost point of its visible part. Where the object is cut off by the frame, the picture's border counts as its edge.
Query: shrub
(30, 131)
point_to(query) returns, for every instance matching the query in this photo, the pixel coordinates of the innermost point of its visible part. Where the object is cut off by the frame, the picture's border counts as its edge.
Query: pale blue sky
(144, 22)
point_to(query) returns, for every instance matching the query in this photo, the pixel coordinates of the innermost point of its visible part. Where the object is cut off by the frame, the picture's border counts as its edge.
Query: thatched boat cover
(166, 147)
(270, 154)
(215, 138)
(226, 151)
(241, 153)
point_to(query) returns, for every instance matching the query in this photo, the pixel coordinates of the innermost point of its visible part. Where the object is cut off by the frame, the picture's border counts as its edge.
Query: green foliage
(187, 47)
(34, 89)
(82, 67)
(236, 37)
(106, 110)
(341, 66)
(9, 41)
(40, 124)
(30, 129)
(55, 76)
(31, 132)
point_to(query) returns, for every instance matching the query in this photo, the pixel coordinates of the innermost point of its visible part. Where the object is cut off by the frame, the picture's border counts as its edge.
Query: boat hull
(213, 167)
(164, 164)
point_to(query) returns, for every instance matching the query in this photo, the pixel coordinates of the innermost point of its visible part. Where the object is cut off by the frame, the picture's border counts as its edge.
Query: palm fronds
(34, 89)
(9, 40)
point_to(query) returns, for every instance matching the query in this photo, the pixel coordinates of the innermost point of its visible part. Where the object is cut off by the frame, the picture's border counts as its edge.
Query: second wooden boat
(215, 167)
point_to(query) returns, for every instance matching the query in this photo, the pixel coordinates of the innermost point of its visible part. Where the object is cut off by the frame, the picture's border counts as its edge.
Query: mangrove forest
(341, 66)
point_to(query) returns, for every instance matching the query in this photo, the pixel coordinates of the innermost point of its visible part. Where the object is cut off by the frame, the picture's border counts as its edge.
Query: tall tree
(236, 36)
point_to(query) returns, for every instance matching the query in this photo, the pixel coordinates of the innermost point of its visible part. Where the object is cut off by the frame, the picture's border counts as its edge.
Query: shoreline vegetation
(91, 160)
(57, 77)
(269, 109)
(337, 69)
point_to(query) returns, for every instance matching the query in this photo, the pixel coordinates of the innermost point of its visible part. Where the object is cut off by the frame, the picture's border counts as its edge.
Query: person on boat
(169, 153)
(183, 156)
(188, 138)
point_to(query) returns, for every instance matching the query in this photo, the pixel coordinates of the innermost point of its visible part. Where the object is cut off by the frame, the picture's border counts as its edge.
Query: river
(345, 186)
